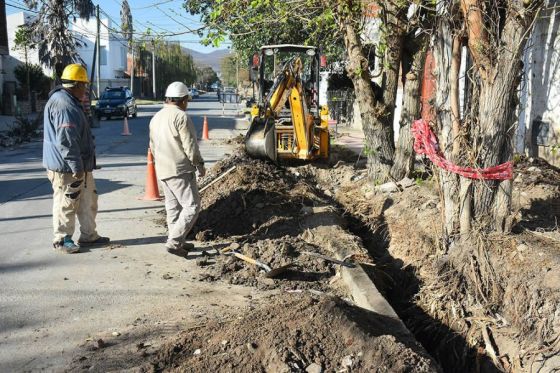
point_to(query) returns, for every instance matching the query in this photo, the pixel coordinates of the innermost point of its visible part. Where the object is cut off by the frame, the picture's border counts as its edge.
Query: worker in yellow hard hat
(68, 156)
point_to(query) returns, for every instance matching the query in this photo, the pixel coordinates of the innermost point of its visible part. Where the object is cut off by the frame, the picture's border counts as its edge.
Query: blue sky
(161, 16)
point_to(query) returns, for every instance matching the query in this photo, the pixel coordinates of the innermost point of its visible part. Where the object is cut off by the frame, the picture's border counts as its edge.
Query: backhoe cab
(287, 122)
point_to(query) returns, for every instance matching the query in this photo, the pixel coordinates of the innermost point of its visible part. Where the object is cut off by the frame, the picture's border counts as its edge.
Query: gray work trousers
(182, 205)
(73, 197)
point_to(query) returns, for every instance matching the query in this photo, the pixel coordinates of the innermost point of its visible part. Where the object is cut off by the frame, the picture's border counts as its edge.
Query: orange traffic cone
(205, 129)
(152, 190)
(125, 131)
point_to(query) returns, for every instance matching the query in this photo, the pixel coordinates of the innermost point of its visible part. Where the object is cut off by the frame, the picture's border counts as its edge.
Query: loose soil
(292, 333)
(492, 306)
(262, 210)
(278, 217)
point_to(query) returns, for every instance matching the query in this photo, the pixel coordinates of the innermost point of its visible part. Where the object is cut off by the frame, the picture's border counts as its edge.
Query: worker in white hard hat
(177, 158)
(68, 156)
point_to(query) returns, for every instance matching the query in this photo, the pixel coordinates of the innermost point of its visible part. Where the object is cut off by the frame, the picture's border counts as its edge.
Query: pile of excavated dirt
(491, 307)
(280, 218)
(295, 333)
(263, 211)
(257, 198)
(507, 319)
(301, 271)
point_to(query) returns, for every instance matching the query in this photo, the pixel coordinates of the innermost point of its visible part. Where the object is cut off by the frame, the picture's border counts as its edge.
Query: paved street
(52, 303)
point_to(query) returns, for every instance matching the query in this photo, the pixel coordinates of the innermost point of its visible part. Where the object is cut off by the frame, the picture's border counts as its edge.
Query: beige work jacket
(173, 143)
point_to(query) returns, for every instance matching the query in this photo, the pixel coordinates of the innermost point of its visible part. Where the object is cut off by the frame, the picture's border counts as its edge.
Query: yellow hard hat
(75, 72)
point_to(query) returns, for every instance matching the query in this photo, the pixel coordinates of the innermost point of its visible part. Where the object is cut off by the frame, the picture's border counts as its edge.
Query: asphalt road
(50, 304)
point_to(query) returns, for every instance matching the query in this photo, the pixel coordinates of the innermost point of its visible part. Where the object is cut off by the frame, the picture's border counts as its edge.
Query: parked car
(116, 102)
(195, 93)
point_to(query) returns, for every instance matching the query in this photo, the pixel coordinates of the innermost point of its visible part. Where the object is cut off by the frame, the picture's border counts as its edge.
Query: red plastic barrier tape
(425, 142)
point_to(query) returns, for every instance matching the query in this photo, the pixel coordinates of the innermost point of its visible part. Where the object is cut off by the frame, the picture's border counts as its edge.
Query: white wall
(540, 87)
(113, 45)
(85, 31)
(12, 23)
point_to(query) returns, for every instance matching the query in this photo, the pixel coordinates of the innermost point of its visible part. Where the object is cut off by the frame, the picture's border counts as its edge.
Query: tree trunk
(448, 182)
(454, 91)
(27, 74)
(484, 136)
(379, 143)
(395, 19)
(404, 154)
(494, 136)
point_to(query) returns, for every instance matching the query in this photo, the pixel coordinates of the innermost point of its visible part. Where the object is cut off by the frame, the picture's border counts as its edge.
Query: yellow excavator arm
(288, 86)
(272, 135)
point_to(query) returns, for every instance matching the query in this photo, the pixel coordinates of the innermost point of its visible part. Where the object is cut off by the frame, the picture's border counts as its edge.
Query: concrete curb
(364, 292)
(324, 227)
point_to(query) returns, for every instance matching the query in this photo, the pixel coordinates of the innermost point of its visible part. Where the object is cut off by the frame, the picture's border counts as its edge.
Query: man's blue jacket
(68, 142)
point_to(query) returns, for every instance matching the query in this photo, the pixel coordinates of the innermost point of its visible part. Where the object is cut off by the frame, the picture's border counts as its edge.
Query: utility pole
(4, 51)
(237, 79)
(97, 50)
(237, 71)
(154, 72)
(132, 69)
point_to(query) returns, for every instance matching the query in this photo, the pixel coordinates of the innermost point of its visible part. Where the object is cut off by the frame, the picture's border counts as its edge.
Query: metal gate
(341, 106)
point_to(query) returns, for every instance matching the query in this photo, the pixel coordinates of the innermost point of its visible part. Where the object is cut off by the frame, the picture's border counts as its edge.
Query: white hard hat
(177, 90)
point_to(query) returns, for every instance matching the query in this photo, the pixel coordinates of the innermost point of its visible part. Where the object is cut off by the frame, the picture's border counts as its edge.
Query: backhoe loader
(287, 122)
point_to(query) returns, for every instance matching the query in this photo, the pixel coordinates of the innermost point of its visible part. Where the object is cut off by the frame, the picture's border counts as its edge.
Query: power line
(151, 5)
(18, 7)
(116, 33)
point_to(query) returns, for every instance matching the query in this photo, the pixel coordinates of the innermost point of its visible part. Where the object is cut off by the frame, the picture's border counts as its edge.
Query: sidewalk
(51, 304)
(351, 138)
(7, 121)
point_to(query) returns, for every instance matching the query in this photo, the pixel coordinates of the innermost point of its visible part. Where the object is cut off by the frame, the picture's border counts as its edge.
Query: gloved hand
(201, 170)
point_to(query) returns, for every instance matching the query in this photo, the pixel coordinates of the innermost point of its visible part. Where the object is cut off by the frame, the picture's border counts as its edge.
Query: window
(103, 56)
(107, 95)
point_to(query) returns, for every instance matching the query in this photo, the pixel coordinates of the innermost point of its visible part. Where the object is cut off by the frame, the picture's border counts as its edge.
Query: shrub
(38, 81)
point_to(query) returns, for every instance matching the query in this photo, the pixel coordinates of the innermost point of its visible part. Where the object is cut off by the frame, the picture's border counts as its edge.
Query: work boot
(188, 246)
(181, 250)
(99, 241)
(66, 246)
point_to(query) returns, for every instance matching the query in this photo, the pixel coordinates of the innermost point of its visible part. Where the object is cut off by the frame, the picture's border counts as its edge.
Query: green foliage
(252, 24)
(227, 69)
(38, 81)
(23, 40)
(55, 42)
(172, 63)
(230, 70)
(205, 77)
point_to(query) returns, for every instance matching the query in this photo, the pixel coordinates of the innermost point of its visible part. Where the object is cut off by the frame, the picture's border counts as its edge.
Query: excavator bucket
(260, 140)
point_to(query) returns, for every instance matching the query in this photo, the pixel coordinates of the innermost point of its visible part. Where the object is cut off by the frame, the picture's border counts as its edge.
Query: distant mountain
(211, 59)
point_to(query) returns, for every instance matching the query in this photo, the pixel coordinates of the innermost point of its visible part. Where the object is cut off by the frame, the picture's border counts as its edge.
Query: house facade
(539, 97)
(113, 50)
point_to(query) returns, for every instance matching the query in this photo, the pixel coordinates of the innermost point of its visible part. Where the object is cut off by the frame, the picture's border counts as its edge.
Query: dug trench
(306, 318)
(506, 321)
(492, 306)
(272, 214)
